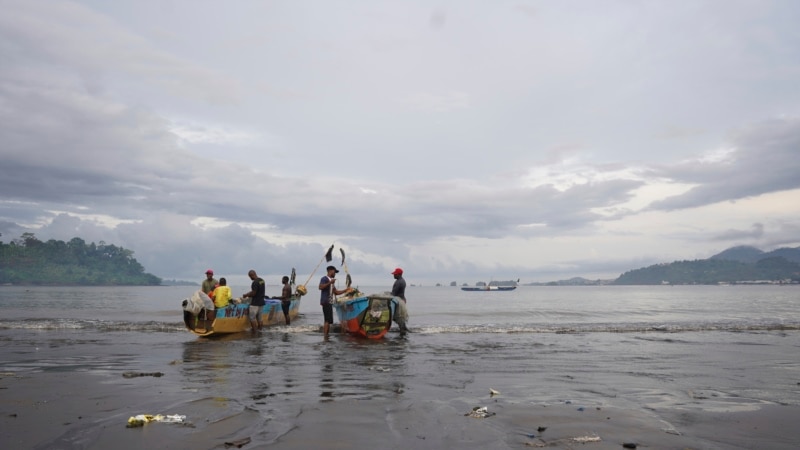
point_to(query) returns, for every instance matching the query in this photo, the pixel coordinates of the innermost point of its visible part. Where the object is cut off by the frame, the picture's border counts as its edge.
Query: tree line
(713, 271)
(29, 261)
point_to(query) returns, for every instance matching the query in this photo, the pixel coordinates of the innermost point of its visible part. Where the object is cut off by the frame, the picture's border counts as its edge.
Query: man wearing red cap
(399, 290)
(399, 287)
(209, 283)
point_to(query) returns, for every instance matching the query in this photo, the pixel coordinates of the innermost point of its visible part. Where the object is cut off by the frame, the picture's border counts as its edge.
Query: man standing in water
(257, 291)
(399, 286)
(399, 290)
(286, 298)
(326, 292)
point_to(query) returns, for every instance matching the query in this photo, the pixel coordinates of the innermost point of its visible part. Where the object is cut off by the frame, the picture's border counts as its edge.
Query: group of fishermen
(220, 293)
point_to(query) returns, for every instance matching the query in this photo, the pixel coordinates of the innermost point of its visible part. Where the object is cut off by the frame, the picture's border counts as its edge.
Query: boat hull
(489, 288)
(235, 318)
(368, 316)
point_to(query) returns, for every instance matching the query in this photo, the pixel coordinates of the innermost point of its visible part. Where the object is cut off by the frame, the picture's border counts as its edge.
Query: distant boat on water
(489, 288)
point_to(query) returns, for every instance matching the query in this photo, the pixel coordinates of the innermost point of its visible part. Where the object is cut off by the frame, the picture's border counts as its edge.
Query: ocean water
(710, 348)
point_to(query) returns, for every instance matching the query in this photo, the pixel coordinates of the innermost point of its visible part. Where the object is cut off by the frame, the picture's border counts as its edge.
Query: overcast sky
(460, 140)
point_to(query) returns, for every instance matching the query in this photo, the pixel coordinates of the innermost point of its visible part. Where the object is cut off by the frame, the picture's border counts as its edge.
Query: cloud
(454, 143)
(200, 134)
(756, 231)
(60, 39)
(761, 158)
(441, 102)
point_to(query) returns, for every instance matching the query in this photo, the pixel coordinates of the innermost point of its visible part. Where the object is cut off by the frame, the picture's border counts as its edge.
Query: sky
(460, 140)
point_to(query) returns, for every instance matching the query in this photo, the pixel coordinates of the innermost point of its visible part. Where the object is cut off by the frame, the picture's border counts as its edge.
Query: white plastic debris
(585, 439)
(141, 419)
(479, 412)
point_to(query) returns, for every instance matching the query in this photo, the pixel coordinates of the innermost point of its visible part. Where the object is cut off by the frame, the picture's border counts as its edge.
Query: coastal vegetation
(736, 265)
(774, 269)
(29, 261)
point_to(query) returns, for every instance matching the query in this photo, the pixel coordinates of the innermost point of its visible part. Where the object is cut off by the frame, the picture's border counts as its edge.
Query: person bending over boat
(399, 290)
(286, 298)
(327, 292)
(208, 286)
(221, 294)
(257, 302)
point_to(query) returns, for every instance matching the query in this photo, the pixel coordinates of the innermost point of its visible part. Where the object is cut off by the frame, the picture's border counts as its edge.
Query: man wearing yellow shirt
(222, 294)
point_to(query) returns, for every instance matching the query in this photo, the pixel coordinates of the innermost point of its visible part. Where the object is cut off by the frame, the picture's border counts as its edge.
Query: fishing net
(377, 316)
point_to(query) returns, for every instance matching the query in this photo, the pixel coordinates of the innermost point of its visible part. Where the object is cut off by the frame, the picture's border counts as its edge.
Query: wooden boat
(233, 318)
(368, 316)
(489, 288)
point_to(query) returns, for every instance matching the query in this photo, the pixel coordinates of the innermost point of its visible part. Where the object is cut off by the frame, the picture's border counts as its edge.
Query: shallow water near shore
(582, 358)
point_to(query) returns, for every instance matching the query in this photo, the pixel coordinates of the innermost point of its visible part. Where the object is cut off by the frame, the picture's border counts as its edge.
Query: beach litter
(585, 439)
(239, 443)
(493, 392)
(142, 374)
(479, 412)
(141, 419)
(564, 441)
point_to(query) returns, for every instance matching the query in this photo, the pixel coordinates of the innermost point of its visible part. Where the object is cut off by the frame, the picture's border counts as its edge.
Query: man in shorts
(327, 291)
(285, 298)
(256, 294)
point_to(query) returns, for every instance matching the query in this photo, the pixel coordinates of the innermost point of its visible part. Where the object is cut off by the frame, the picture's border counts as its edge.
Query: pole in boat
(302, 290)
(348, 280)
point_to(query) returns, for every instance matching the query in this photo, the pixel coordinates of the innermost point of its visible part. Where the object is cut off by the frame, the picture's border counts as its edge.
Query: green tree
(27, 260)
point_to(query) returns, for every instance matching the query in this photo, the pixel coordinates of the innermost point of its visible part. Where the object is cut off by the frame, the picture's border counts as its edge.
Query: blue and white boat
(368, 316)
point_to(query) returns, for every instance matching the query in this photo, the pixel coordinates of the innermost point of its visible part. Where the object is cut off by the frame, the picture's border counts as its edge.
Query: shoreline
(84, 410)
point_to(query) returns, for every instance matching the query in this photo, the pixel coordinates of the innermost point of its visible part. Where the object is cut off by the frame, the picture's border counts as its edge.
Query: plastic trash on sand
(479, 412)
(585, 439)
(141, 419)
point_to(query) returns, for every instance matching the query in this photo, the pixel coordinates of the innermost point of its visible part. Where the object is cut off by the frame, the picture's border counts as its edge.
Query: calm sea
(736, 347)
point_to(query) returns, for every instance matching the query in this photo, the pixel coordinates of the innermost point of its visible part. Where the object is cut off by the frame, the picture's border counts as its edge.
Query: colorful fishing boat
(489, 288)
(233, 318)
(368, 316)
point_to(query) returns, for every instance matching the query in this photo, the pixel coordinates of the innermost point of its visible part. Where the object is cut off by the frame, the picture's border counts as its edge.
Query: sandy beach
(75, 410)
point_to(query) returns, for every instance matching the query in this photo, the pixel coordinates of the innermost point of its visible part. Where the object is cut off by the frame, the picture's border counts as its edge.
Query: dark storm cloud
(763, 158)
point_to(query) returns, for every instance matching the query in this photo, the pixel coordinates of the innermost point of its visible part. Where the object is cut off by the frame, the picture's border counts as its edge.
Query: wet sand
(77, 410)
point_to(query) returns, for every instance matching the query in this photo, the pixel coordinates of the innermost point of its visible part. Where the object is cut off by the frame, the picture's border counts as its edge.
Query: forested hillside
(748, 254)
(30, 261)
(714, 271)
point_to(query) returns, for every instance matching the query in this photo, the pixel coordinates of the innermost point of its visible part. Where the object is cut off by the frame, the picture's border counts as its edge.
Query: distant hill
(741, 253)
(748, 254)
(29, 261)
(771, 269)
